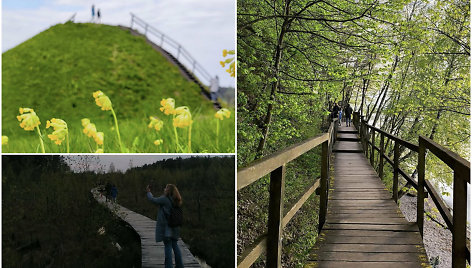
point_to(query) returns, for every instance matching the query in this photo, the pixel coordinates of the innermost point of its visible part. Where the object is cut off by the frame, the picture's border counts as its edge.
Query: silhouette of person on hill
(164, 232)
(214, 87)
(107, 191)
(99, 14)
(93, 13)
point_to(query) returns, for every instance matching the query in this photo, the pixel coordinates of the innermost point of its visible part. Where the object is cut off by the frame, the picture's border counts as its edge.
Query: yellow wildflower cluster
(183, 118)
(229, 61)
(4, 140)
(102, 100)
(158, 142)
(155, 123)
(168, 106)
(223, 112)
(28, 119)
(60, 130)
(91, 131)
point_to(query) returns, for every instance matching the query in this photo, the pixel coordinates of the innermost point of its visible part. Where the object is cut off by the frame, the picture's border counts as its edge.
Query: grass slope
(57, 71)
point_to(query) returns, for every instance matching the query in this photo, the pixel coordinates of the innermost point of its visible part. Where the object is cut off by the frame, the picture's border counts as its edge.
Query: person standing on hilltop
(170, 235)
(98, 15)
(93, 13)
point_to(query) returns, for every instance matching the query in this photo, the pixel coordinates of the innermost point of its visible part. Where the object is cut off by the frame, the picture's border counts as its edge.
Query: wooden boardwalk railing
(152, 253)
(364, 227)
(461, 169)
(271, 242)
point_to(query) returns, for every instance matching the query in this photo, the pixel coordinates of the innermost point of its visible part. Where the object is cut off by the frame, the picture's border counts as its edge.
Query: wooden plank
(267, 164)
(357, 264)
(381, 248)
(356, 220)
(369, 233)
(369, 256)
(383, 227)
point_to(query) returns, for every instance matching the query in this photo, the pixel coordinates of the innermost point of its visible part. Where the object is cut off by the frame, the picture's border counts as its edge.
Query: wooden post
(276, 207)
(396, 158)
(381, 160)
(372, 151)
(459, 255)
(366, 139)
(132, 21)
(162, 40)
(193, 66)
(146, 29)
(323, 186)
(421, 178)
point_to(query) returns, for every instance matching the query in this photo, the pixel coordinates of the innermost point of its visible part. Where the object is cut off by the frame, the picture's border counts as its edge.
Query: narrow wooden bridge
(152, 253)
(360, 224)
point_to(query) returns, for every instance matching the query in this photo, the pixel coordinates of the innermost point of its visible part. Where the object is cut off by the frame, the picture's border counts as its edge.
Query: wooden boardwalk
(364, 226)
(152, 253)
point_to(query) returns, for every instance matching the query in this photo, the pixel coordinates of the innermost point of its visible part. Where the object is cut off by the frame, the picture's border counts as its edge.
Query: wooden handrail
(191, 64)
(460, 166)
(274, 164)
(267, 164)
(458, 225)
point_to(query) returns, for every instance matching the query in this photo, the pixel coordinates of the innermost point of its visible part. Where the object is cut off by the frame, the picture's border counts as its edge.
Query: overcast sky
(203, 27)
(121, 162)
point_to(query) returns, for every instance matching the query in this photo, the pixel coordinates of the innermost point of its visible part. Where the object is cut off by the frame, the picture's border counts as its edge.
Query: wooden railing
(271, 242)
(461, 168)
(174, 48)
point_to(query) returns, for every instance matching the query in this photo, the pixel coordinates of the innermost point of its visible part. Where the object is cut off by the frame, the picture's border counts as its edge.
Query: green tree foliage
(404, 65)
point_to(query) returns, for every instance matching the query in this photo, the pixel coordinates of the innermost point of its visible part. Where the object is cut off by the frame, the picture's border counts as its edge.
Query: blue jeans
(169, 245)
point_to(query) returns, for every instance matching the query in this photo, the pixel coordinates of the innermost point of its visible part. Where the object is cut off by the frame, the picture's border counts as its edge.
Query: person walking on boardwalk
(93, 13)
(340, 117)
(114, 193)
(335, 111)
(348, 112)
(164, 232)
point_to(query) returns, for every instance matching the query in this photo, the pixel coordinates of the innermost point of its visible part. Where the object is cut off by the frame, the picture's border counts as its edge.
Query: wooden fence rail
(275, 164)
(461, 169)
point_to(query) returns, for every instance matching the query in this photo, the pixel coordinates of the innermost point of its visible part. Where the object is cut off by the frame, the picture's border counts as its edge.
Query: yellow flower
(4, 140)
(223, 112)
(85, 121)
(168, 106)
(155, 123)
(28, 119)
(99, 151)
(102, 100)
(183, 118)
(98, 137)
(158, 142)
(60, 130)
(90, 130)
(230, 61)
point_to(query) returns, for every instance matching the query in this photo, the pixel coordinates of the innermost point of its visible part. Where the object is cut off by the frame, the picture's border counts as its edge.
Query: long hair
(174, 194)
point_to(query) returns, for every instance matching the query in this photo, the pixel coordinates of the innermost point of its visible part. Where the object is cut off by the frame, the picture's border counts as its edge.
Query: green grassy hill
(56, 72)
